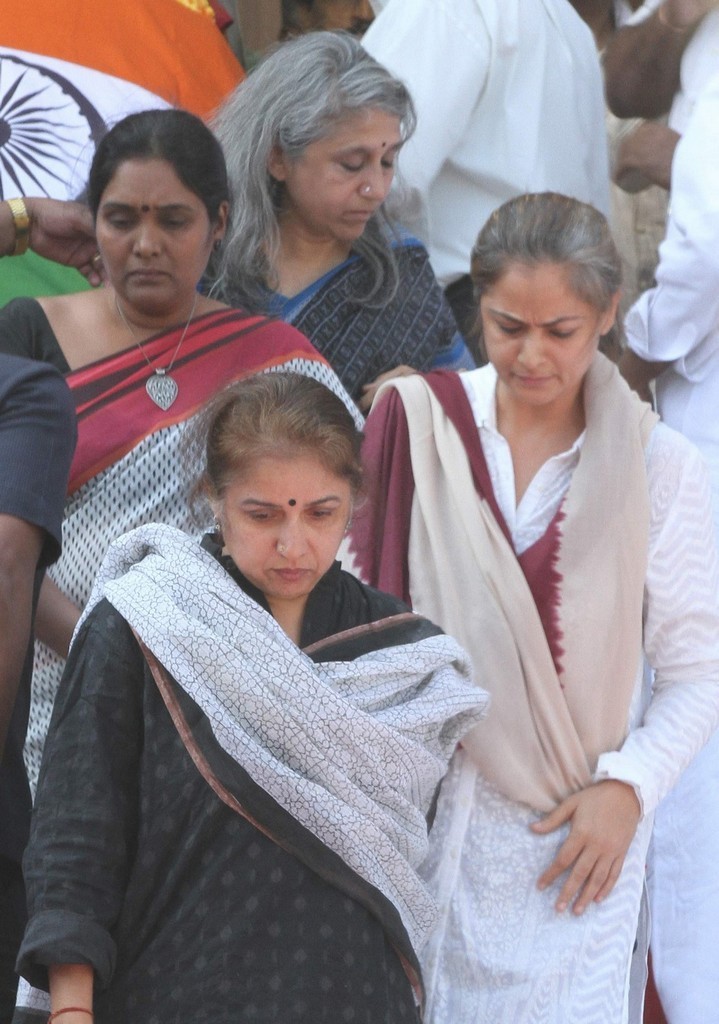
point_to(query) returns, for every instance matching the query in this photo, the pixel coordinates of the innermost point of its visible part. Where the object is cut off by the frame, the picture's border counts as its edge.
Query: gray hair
(545, 227)
(298, 95)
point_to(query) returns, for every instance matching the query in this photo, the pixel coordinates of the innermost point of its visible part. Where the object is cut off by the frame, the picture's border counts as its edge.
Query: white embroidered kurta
(501, 952)
(678, 322)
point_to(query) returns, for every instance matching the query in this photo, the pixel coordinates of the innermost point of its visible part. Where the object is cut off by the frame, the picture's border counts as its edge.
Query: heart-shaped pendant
(162, 389)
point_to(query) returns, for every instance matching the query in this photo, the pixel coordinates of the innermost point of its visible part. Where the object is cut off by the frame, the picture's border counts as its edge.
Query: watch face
(48, 131)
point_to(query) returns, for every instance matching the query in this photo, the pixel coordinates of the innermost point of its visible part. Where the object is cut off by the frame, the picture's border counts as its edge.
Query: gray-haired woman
(311, 138)
(537, 510)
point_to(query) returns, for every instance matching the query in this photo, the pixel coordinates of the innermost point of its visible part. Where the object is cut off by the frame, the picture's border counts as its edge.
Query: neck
(535, 435)
(289, 616)
(142, 324)
(559, 424)
(304, 258)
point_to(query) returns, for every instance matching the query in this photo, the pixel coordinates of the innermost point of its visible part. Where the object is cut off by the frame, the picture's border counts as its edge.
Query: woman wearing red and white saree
(141, 356)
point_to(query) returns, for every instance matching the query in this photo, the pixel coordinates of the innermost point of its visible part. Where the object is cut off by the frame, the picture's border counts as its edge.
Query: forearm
(639, 373)
(56, 618)
(71, 986)
(20, 545)
(15, 617)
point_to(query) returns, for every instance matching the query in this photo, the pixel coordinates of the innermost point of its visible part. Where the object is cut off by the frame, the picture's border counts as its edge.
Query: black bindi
(292, 502)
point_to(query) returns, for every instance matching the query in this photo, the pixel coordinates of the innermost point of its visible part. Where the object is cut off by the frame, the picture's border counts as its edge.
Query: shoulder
(37, 440)
(21, 314)
(410, 253)
(341, 602)
(22, 309)
(364, 619)
(372, 604)
(25, 331)
(272, 329)
(34, 398)
(480, 386)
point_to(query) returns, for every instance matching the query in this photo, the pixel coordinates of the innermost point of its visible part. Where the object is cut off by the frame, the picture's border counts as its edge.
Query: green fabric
(31, 275)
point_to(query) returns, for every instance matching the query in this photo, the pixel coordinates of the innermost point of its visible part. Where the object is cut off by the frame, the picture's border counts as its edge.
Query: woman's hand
(603, 819)
(370, 390)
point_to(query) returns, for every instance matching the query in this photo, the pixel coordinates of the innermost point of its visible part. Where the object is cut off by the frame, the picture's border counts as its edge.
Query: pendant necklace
(160, 386)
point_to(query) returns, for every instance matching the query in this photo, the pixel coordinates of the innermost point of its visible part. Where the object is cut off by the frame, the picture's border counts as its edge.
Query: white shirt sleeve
(441, 50)
(678, 320)
(681, 625)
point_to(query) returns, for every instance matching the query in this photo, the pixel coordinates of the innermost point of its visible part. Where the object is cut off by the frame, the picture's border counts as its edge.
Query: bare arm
(641, 62)
(20, 547)
(56, 618)
(639, 373)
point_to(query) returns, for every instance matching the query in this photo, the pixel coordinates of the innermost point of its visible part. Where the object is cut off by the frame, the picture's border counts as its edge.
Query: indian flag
(69, 69)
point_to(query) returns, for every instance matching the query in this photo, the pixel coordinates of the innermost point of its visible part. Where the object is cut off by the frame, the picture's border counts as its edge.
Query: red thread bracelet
(68, 1009)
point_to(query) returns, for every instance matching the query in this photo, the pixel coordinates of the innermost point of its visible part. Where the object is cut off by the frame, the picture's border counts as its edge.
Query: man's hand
(644, 157)
(64, 232)
(603, 819)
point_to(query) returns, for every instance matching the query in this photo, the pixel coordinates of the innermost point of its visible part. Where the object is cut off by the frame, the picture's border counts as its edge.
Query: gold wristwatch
(21, 220)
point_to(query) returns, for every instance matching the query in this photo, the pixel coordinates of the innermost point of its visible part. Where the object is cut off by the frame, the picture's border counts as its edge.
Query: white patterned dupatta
(354, 751)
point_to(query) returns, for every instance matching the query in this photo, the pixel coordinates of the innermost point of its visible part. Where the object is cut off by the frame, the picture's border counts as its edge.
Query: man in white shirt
(509, 100)
(673, 336)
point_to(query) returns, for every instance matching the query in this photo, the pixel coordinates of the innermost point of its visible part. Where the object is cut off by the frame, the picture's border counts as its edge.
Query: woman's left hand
(370, 390)
(603, 819)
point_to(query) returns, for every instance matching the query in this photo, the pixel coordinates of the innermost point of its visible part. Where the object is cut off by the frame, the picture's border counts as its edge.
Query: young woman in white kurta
(538, 848)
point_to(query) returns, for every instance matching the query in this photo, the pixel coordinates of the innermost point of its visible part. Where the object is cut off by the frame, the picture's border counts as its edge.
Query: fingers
(590, 879)
(561, 814)
(603, 820)
(367, 397)
(569, 852)
(370, 390)
(585, 881)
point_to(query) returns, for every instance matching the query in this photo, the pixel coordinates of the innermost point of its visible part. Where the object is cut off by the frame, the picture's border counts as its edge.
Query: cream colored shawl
(544, 732)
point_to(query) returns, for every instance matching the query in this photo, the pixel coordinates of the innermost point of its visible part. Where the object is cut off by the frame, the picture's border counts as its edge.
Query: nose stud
(281, 548)
(366, 189)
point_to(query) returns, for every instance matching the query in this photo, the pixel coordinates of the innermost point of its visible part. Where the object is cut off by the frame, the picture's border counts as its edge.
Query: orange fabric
(168, 49)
